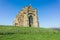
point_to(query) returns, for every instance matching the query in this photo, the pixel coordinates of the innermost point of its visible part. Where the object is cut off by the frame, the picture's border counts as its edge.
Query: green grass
(28, 33)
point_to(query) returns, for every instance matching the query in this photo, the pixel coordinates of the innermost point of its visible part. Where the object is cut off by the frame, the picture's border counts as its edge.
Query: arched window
(30, 20)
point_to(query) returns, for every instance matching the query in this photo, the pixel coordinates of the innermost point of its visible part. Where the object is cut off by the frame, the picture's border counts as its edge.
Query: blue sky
(48, 11)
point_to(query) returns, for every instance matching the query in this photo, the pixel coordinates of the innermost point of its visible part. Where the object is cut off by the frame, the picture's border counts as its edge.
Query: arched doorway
(30, 20)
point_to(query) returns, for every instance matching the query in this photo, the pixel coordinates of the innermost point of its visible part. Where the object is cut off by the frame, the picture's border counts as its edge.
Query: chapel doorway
(30, 20)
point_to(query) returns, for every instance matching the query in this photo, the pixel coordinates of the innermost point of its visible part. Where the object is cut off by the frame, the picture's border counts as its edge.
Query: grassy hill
(28, 33)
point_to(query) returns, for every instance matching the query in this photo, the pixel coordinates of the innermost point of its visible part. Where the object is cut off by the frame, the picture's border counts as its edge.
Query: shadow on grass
(6, 33)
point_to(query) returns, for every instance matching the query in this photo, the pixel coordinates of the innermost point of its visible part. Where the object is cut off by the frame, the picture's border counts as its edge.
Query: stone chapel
(27, 17)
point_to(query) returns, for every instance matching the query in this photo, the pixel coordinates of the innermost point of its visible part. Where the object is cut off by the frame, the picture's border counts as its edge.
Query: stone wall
(22, 18)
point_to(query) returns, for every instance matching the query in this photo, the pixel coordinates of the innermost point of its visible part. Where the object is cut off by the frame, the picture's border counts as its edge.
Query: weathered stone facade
(27, 17)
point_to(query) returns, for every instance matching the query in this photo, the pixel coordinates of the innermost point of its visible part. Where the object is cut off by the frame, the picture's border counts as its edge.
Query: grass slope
(27, 33)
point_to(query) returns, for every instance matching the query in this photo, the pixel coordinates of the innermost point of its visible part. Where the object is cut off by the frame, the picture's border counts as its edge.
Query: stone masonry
(27, 17)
